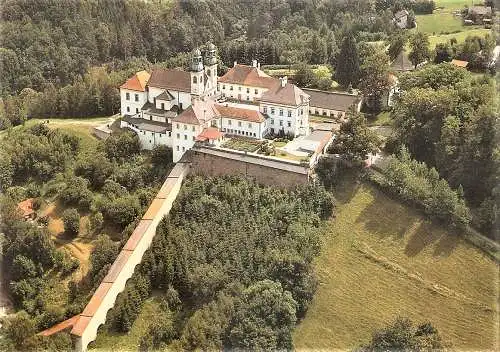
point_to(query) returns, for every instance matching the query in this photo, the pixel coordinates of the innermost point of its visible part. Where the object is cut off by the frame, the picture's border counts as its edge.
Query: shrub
(76, 193)
(96, 221)
(71, 220)
(122, 211)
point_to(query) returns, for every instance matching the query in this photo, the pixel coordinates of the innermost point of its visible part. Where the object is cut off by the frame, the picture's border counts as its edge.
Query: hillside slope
(380, 260)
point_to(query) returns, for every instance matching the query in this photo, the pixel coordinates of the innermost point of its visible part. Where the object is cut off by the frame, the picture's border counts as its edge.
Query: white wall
(183, 138)
(131, 106)
(326, 112)
(240, 91)
(150, 139)
(296, 124)
(242, 128)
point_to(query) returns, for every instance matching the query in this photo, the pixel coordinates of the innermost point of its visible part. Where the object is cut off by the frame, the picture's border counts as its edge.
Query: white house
(245, 83)
(287, 107)
(133, 93)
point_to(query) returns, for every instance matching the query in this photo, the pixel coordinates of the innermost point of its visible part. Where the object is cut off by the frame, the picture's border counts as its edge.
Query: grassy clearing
(111, 341)
(242, 144)
(381, 259)
(443, 25)
(382, 119)
(460, 37)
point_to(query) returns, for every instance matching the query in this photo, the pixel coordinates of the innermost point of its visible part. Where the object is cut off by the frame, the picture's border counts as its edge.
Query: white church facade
(180, 108)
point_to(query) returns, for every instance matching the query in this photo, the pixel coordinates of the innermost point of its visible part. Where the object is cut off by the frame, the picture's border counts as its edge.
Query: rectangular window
(224, 87)
(281, 122)
(256, 91)
(272, 121)
(177, 148)
(281, 112)
(178, 136)
(229, 122)
(248, 90)
(136, 97)
(193, 128)
(185, 127)
(128, 108)
(178, 126)
(193, 138)
(248, 98)
(254, 134)
(265, 109)
(249, 125)
(170, 134)
(272, 111)
(185, 137)
(163, 106)
(239, 89)
(289, 124)
(127, 96)
(239, 123)
(289, 113)
(183, 149)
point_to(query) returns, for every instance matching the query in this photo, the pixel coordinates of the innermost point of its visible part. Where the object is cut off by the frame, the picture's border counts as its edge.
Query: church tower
(211, 67)
(197, 73)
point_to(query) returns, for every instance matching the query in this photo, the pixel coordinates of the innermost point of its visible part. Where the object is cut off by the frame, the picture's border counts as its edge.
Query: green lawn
(382, 119)
(460, 37)
(443, 25)
(242, 144)
(381, 259)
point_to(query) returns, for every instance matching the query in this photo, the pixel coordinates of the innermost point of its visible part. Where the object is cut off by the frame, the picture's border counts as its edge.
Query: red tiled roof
(117, 266)
(240, 114)
(137, 82)
(136, 236)
(459, 63)
(210, 133)
(68, 323)
(198, 113)
(26, 206)
(290, 94)
(171, 79)
(96, 299)
(80, 325)
(248, 76)
(153, 209)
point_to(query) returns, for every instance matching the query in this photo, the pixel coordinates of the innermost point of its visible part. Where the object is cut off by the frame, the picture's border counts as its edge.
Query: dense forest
(67, 61)
(233, 261)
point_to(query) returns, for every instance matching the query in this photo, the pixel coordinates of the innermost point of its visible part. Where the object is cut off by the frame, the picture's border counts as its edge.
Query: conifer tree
(347, 70)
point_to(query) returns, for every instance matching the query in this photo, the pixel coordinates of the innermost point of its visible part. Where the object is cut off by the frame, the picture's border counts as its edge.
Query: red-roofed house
(27, 209)
(133, 93)
(245, 83)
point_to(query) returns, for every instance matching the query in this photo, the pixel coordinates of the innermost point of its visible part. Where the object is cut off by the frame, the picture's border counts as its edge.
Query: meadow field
(443, 24)
(381, 259)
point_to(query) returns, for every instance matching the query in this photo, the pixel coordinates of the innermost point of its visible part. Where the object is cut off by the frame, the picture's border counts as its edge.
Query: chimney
(234, 64)
(284, 80)
(254, 63)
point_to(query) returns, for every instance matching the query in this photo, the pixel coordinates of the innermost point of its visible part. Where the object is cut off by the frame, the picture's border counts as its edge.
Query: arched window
(194, 79)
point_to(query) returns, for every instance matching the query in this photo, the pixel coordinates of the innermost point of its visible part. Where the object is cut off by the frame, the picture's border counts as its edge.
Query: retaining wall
(265, 170)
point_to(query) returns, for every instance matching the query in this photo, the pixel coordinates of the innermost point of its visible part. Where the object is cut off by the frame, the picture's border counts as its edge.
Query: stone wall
(212, 162)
